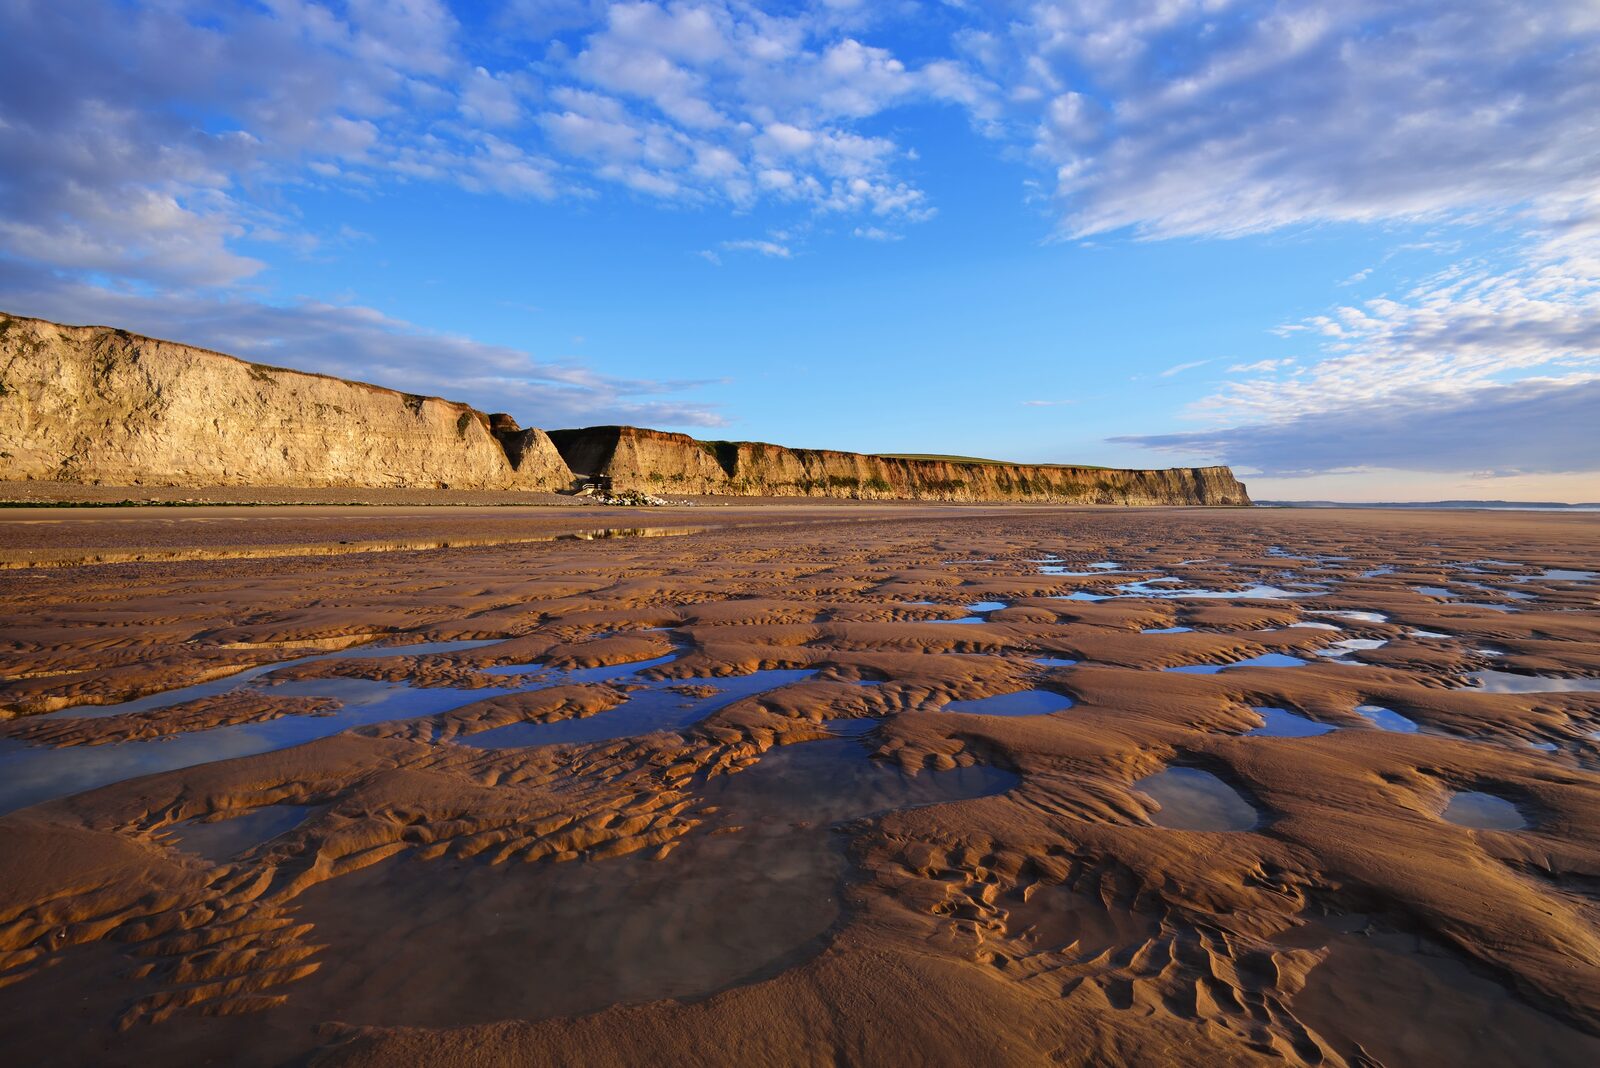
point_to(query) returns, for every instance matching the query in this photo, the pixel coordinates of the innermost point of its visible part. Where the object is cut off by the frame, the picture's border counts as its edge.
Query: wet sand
(819, 784)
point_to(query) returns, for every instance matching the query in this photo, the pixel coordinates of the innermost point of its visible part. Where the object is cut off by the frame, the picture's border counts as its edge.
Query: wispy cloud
(1178, 369)
(765, 248)
(1262, 366)
(358, 342)
(1537, 426)
(1223, 118)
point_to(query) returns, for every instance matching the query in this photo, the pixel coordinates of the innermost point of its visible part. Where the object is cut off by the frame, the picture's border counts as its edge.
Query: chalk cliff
(92, 404)
(98, 405)
(660, 462)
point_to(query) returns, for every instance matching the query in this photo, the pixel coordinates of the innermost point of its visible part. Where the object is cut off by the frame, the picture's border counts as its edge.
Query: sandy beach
(825, 783)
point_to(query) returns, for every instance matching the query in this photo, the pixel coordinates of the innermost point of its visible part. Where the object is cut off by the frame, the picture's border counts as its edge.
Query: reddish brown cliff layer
(655, 461)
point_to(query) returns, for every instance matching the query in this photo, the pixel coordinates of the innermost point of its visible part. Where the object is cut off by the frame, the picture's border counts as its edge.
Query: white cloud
(765, 248)
(1178, 369)
(1536, 426)
(1225, 117)
(362, 343)
(1262, 366)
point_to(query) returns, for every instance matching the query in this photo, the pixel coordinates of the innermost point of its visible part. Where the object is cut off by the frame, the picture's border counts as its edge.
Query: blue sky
(1351, 248)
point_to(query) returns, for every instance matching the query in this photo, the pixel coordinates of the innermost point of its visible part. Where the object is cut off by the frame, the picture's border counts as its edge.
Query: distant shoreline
(1480, 506)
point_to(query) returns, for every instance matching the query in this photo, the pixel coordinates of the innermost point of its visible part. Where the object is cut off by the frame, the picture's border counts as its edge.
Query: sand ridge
(1043, 918)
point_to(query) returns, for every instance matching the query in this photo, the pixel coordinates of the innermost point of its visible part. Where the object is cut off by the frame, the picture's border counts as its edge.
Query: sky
(1350, 248)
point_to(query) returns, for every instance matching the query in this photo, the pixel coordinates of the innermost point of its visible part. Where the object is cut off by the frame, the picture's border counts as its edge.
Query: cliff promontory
(92, 404)
(630, 458)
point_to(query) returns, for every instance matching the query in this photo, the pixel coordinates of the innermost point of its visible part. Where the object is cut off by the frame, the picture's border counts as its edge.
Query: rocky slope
(85, 404)
(655, 461)
(92, 404)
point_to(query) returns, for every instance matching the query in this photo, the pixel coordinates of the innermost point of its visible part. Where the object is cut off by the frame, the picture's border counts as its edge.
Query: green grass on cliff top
(976, 460)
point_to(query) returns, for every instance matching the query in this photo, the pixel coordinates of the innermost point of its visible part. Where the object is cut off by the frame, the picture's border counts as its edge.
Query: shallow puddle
(1023, 703)
(1249, 593)
(1486, 812)
(655, 708)
(1055, 661)
(1385, 719)
(1168, 630)
(1397, 999)
(1336, 650)
(1510, 682)
(30, 774)
(1264, 660)
(557, 676)
(224, 839)
(1353, 616)
(235, 681)
(1195, 800)
(1281, 723)
(443, 943)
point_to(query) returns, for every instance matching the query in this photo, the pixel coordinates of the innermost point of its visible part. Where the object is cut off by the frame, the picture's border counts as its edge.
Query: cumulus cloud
(723, 102)
(148, 141)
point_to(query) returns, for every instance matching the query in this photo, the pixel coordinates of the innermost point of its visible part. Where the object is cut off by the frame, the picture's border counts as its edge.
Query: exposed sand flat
(477, 847)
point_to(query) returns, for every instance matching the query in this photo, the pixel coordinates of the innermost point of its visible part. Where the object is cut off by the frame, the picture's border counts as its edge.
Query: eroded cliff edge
(660, 462)
(93, 404)
(90, 404)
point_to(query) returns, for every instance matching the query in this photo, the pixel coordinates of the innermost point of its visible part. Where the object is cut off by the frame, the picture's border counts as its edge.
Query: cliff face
(659, 462)
(90, 404)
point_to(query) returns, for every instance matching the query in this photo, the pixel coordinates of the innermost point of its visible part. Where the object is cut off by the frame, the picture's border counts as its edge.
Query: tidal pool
(1339, 649)
(232, 682)
(1481, 811)
(1510, 682)
(654, 708)
(1195, 800)
(1385, 719)
(222, 840)
(30, 774)
(1281, 723)
(1353, 616)
(1256, 592)
(1264, 660)
(1022, 703)
(1396, 998)
(558, 676)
